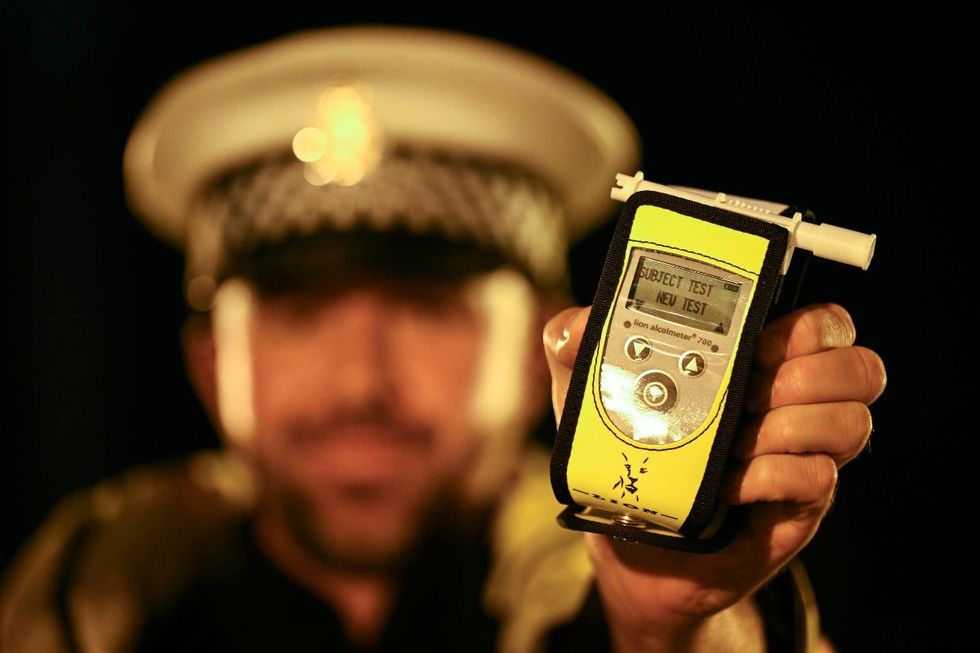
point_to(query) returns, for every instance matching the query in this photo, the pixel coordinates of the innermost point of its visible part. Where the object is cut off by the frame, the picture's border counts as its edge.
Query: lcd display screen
(683, 296)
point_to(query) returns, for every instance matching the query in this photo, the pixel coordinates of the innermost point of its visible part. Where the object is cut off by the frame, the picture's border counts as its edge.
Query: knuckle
(874, 376)
(855, 428)
(789, 383)
(822, 474)
(783, 431)
(861, 424)
(768, 476)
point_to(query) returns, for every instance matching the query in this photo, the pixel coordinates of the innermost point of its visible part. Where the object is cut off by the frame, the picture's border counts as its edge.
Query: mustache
(380, 421)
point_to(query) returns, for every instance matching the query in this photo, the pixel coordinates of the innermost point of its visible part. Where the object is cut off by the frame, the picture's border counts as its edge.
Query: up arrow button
(692, 363)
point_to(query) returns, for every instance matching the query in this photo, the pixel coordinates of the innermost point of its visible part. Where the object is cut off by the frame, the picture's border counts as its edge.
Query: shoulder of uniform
(540, 573)
(109, 553)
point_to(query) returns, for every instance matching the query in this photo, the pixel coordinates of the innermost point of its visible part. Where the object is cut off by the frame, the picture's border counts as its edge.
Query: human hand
(805, 416)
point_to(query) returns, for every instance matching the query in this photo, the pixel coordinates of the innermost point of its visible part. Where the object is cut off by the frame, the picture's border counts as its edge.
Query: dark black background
(851, 116)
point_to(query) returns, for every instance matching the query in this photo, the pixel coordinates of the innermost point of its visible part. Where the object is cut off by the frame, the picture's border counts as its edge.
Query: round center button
(655, 393)
(657, 390)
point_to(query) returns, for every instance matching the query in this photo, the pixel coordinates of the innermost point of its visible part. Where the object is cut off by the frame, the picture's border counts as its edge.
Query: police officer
(375, 222)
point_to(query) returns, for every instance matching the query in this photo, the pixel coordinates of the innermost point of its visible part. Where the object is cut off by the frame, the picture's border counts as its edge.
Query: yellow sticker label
(607, 468)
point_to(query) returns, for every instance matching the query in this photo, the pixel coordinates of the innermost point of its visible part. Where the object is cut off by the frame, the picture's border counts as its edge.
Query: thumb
(562, 337)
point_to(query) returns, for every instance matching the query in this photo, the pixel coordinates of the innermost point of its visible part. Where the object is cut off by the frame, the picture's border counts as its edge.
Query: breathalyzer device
(660, 378)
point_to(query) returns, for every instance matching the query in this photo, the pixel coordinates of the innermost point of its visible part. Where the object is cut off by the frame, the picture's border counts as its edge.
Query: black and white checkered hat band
(490, 204)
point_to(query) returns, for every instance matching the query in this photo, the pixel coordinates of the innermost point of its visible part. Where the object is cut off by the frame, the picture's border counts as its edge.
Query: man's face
(362, 413)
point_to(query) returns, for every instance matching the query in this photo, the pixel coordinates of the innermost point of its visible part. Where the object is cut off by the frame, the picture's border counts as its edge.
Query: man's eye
(295, 310)
(438, 305)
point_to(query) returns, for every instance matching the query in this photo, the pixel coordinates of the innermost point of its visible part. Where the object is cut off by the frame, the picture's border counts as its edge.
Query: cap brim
(429, 86)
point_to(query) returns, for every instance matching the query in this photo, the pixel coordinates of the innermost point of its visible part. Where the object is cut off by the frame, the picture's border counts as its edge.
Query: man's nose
(363, 376)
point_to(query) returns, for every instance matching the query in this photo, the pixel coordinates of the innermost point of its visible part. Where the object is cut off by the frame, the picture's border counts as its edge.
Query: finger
(805, 331)
(798, 478)
(840, 430)
(562, 337)
(846, 374)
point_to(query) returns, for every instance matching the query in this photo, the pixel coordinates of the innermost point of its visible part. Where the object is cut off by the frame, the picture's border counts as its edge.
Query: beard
(384, 550)
(361, 490)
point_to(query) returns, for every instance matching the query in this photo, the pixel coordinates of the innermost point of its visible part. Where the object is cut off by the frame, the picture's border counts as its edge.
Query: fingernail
(561, 347)
(563, 340)
(555, 340)
(835, 332)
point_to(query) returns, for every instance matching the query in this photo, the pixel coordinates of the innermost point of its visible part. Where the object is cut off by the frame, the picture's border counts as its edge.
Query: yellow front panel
(665, 491)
